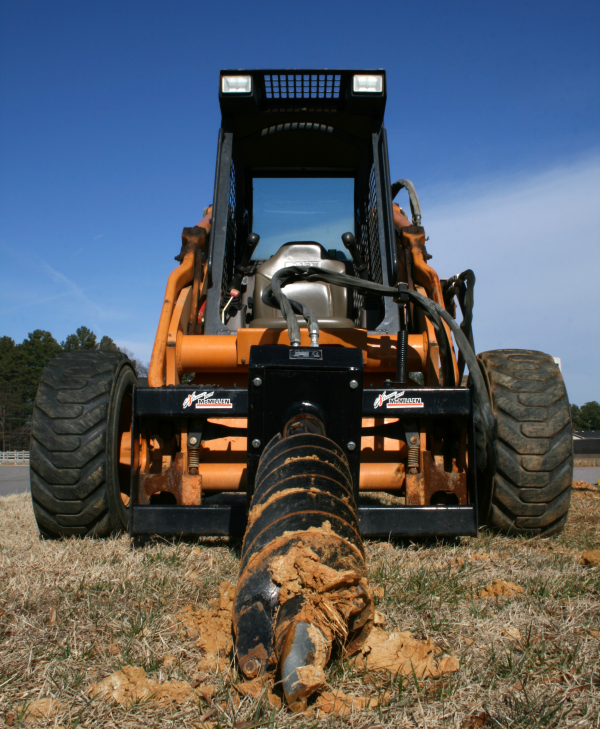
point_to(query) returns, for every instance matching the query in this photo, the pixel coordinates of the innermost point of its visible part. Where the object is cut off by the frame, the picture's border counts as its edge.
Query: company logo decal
(206, 400)
(396, 399)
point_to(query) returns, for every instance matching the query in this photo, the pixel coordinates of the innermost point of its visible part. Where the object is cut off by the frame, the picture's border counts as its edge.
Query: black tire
(82, 407)
(534, 447)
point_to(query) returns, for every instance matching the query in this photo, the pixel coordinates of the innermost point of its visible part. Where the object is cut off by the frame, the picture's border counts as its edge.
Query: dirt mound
(131, 686)
(591, 557)
(40, 709)
(259, 686)
(213, 628)
(401, 653)
(500, 588)
(341, 704)
(588, 488)
(331, 604)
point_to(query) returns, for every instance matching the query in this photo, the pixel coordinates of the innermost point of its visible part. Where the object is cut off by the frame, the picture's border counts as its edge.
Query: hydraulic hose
(482, 415)
(288, 307)
(273, 296)
(415, 207)
(462, 287)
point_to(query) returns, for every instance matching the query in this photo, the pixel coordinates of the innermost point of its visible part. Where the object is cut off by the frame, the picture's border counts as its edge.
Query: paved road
(14, 480)
(591, 475)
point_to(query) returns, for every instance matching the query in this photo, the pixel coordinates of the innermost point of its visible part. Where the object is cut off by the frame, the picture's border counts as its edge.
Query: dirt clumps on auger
(303, 578)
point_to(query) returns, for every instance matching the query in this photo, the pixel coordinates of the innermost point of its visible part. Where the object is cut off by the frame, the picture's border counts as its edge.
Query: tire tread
(533, 482)
(68, 467)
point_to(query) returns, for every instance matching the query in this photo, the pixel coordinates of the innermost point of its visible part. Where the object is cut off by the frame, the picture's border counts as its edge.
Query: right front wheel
(534, 476)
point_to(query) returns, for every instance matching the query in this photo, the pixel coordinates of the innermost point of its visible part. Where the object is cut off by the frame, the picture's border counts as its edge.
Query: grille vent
(230, 258)
(302, 86)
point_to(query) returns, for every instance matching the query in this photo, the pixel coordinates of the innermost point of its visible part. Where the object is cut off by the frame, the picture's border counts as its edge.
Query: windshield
(287, 209)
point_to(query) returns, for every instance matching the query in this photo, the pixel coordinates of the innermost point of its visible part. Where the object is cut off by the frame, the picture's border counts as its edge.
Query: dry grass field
(74, 612)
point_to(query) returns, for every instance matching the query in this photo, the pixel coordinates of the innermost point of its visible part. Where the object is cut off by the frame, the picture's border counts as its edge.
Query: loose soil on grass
(98, 633)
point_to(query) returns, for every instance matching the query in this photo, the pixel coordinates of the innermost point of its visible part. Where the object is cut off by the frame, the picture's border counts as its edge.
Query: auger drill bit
(303, 578)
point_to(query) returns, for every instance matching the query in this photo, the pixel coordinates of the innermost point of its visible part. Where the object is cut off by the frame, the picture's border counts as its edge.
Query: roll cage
(301, 123)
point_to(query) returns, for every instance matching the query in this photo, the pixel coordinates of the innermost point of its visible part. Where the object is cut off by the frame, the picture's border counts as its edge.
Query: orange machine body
(182, 352)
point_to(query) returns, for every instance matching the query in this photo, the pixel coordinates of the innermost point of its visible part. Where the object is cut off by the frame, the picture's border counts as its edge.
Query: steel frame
(229, 519)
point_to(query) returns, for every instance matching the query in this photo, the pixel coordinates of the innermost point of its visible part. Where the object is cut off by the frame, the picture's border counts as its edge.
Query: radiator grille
(302, 86)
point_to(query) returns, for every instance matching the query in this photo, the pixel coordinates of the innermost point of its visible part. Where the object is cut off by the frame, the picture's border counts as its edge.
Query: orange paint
(180, 277)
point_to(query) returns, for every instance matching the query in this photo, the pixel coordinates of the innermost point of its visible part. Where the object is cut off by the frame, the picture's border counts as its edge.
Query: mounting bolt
(193, 441)
(353, 384)
(413, 439)
(257, 382)
(256, 443)
(251, 667)
(351, 445)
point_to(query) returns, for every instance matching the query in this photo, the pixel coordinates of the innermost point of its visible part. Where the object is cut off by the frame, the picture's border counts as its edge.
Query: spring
(413, 457)
(193, 458)
(401, 356)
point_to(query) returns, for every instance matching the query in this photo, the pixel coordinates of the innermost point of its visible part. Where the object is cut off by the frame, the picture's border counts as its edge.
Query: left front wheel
(81, 423)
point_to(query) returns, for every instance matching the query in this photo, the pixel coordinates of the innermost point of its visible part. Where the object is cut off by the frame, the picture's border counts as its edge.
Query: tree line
(21, 369)
(586, 417)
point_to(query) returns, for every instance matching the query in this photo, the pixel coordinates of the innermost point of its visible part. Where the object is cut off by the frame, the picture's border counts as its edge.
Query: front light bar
(367, 84)
(236, 84)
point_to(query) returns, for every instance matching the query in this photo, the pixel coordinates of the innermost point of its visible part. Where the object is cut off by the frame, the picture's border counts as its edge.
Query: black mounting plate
(289, 377)
(286, 381)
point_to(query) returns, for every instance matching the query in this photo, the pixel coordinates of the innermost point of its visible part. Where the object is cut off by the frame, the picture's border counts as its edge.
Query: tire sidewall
(485, 477)
(124, 382)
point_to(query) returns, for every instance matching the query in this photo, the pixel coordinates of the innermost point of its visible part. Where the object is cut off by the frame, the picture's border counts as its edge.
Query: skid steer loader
(306, 387)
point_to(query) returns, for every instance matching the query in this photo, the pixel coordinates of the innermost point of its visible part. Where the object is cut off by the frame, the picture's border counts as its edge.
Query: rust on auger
(303, 579)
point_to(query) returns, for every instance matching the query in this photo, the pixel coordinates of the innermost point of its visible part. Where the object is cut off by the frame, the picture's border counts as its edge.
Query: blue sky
(108, 127)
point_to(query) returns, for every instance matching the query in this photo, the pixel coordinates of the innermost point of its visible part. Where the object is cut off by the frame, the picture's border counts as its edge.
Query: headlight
(236, 84)
(367, 84)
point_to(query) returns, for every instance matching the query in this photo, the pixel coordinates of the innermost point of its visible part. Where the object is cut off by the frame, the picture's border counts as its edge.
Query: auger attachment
(303, 580)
